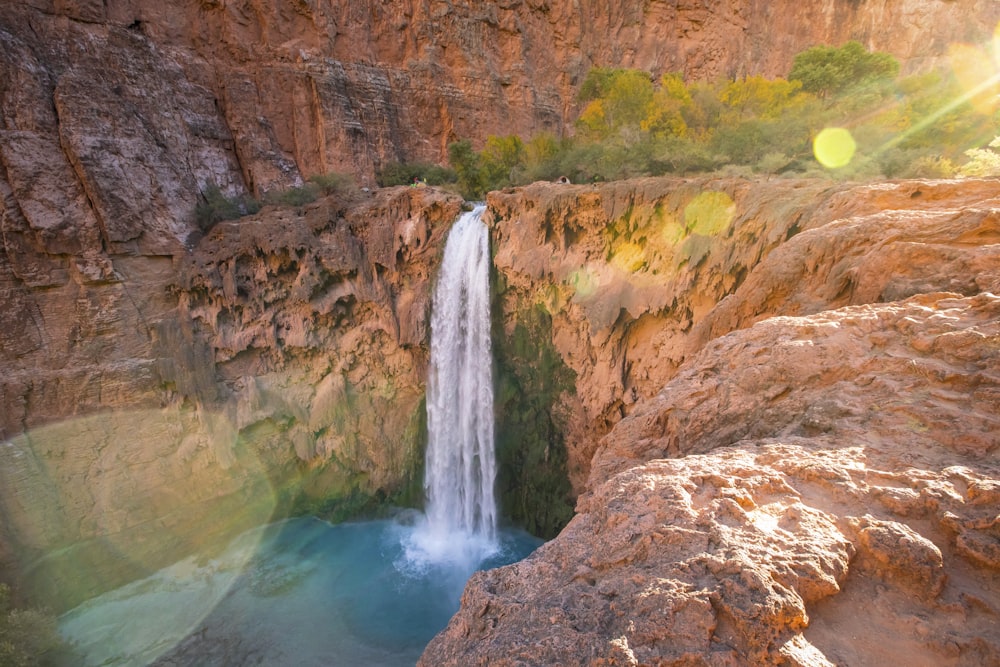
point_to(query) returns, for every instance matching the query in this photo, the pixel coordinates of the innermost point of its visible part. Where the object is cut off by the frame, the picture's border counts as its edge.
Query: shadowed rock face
(276, 366)
(813, 480)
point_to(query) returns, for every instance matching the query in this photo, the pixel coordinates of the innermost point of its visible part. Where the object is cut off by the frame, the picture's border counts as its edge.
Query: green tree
(665, 114)
(541, 157)
(767, 99)
(404, 173)
(829, 71)
(466, 163)
(500, 159)
(618, 99)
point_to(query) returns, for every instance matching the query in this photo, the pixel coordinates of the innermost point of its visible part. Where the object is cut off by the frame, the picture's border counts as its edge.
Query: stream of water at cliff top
(305, 592)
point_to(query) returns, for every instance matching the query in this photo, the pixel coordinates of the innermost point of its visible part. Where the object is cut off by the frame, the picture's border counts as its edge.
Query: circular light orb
(709, 213)
(584, 281)
(834, 147)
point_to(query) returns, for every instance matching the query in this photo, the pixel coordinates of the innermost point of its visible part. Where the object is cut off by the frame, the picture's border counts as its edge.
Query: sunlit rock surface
(814, 479)
(161, 388)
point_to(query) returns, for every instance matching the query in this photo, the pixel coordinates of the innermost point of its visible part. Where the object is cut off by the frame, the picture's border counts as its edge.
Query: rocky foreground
(817, 483)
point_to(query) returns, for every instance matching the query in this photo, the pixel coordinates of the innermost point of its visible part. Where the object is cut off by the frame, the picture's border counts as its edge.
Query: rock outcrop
(165, 385)
(276, 366)
(814, 481)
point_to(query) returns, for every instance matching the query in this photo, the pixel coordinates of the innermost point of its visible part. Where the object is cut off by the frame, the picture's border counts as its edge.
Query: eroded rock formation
(814, 481)
(276, 366)
(776, 400)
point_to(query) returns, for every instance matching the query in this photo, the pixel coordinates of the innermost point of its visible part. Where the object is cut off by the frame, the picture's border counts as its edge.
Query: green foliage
(665, 116)
(468, 167)
(983, 162)
(631, 125)
(764, 99)
(297, 196)
(405, 173)
(500, 159)
(624, 98)
(532, 478)
(214, 207)
(597, 83)
(333, 183)
(830, 71)
(27, 636)
(542, 154)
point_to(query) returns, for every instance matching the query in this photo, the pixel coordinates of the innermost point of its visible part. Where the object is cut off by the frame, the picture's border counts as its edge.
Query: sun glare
(834, 147)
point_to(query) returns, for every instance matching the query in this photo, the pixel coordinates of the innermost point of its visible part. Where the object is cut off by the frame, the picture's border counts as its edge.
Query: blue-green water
(300, 592)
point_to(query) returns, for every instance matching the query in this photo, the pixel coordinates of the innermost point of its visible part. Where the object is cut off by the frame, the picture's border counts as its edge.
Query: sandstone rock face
(634, 276)
(812, 485)
(161, 388)
(259, 95)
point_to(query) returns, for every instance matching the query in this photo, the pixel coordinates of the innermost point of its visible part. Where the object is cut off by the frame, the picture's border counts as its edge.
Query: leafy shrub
(829, 71)
(333, 183)
(297, 196)
(214, 207)
(630, 124)
(468, 167)
(405, 173)
(773, 162)
(983, 162)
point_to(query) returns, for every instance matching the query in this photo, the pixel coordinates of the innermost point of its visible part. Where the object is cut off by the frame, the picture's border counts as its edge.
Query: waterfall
(461, 513)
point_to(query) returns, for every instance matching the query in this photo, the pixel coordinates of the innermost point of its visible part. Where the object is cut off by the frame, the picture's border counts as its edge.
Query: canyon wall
(275, 366)
(259, 95)
(784, 426)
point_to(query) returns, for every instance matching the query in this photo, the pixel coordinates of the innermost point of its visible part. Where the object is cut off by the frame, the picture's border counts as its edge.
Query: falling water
(372, 593)
(461, 466)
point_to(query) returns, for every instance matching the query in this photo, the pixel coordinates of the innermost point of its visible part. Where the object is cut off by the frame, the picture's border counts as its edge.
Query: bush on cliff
(334, 183)
(405, 173)
(214, 206)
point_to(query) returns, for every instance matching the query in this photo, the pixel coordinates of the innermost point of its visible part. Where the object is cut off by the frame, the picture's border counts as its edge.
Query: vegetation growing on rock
(533, 482)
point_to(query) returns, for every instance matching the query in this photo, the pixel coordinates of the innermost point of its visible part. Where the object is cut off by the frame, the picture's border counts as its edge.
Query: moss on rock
(533, 483)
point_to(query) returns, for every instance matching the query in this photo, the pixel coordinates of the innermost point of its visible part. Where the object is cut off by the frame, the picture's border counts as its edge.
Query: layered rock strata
(260, 95)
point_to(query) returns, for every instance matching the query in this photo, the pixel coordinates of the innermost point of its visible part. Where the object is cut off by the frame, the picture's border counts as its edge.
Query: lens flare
(709, 213)
(584, 281)
(672, 232)
(93, 502)
(978, 75)
(834, 147)
(628, 257)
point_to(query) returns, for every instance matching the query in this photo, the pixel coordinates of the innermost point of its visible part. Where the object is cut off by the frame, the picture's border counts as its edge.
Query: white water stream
(461, 512)
(303, 592)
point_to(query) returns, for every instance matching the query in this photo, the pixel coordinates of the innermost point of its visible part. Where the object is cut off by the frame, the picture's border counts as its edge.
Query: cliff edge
(814, 481)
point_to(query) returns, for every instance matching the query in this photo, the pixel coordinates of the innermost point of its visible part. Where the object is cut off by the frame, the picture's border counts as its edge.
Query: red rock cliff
(266, 93)
(799, 387)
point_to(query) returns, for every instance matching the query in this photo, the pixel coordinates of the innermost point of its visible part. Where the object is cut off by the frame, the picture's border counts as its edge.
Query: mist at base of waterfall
(299, 592)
